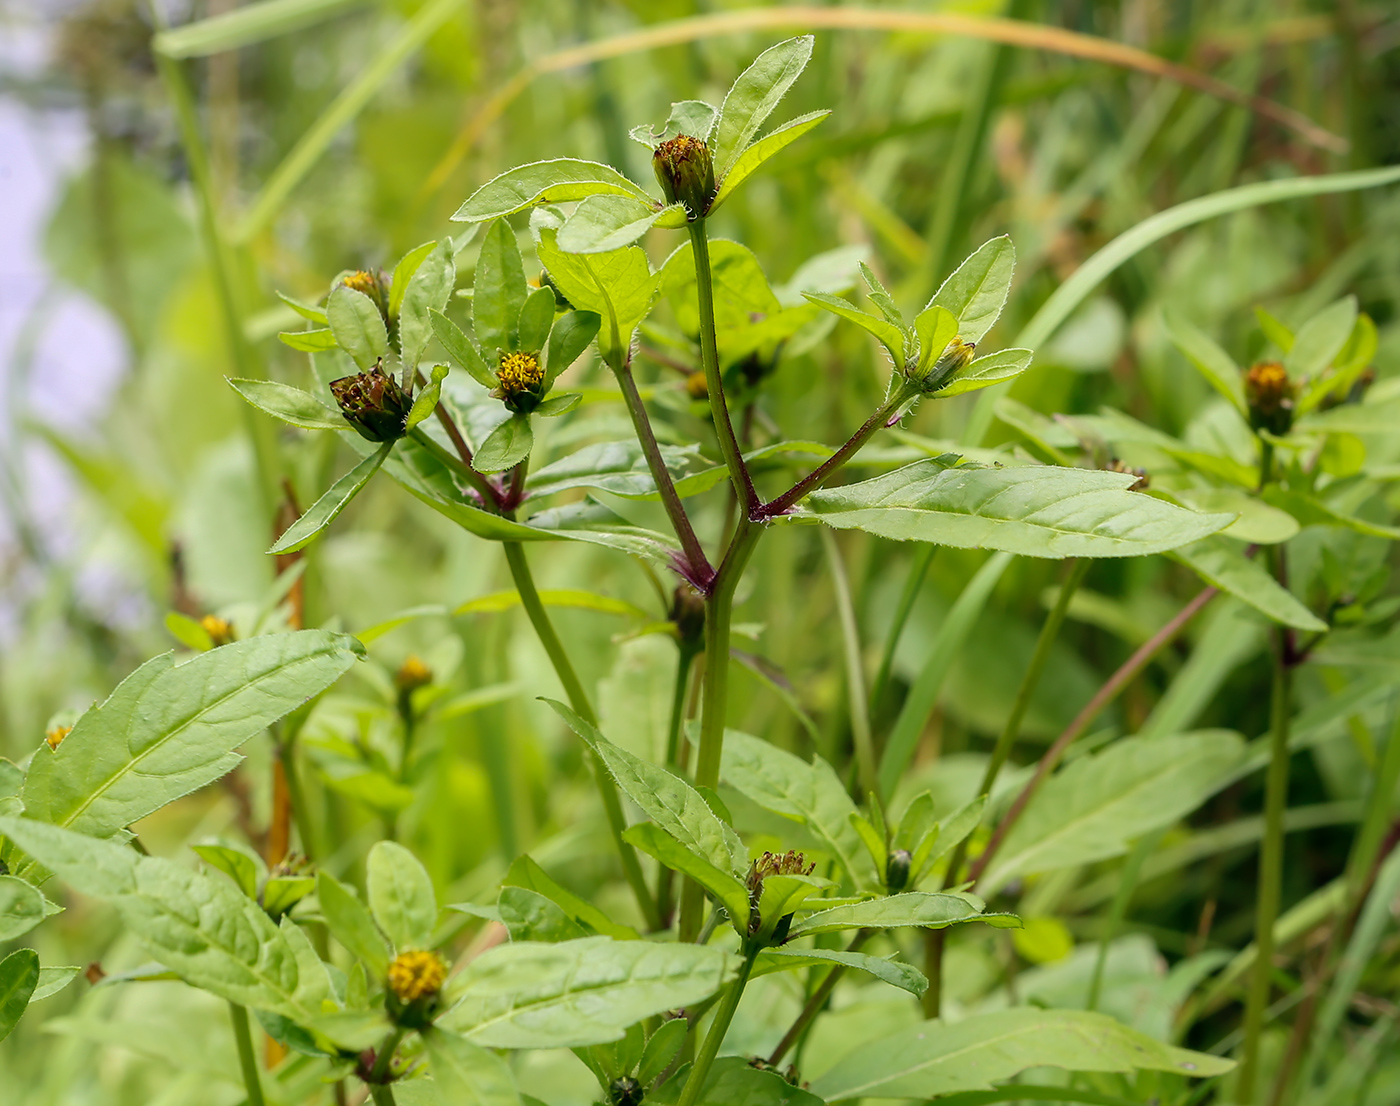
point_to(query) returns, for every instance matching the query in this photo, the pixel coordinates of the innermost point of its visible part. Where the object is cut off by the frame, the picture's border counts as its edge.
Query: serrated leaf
(601, 224)
(429, 289)
(926, 909)
(336, 498)
(19, 975)
(459, 347)
(887, 334)
(720, 882)
(351, 924)
(506, 446)
(401, 897)
(570, 336)
(426, 401)
(1222, 564)
(1212, 362)
(291, 405)
(937, 1058)
(526, 873)
(753, 97)
(619, 287)
(977, 290)
(21, 907)
(765, 148)
(1035, 511)
(812, 794)
(619, 468)
(904, 976)
(467, 1074)
(530, 916)
(403, 273)
(171, 728)
(1005, 364)
(357, 326)
(1311, 511)
(693, 117)
(498, 290)
(1094, 807)
(239, 865)
(935, 326)
(536, 317)
(578, 993)
(308, 341)
(541, 182)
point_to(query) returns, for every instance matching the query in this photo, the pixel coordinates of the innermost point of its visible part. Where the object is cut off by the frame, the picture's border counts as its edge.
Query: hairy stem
(816, 1001)
(709, 358)
(828, 468)
(718, 1028)
(247, 1060)
(578, 699)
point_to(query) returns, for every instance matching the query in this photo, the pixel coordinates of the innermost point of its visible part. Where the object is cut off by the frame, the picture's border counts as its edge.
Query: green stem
(1270, 871)
(817, 1001)
(709, 359)
(828, 468)
(300, 816)
(855, 678)
(664, 875)
(913, 583)
(462, 467)
(718, 1028)
(379, 1075)
(578, 699)
(247, 1060)
(1127, 884)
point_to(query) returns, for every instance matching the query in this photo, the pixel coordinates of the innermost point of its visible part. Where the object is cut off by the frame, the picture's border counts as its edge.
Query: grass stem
(247, 1059)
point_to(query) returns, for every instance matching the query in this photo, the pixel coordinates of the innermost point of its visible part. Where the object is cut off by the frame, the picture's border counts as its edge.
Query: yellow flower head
(362, 280)
(56, 735)
(220, 630)
(413, 673)
(416, 974)
(1269, 395)
(519, 372)
(956, 354)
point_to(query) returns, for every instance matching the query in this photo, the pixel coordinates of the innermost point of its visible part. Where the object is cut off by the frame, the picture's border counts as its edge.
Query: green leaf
(357, 326)
(665, 798)
(53, 980)
(467, 1074)
(289, 404)
(1274, 330)
(308, 311)
(428, 290)
(935, 326)
(753, 97)
(401, 896)
(993, 369)
(730, 891)
(1380, 417)
(544, 182)
(928, 909)
(765, 148)
(526, 873)
(888, 335)
(171, 728)
(604, 223)
(977, 290)
(1321, 338)
(1257, 523)
(734, 1081)
(1349, 363)
(506, 446)
(281, 893)
(1035, 511)
(403, 273)
(575, 598)
(499, 290)
(240, 865)
(336, 498)
(252, 23)
(308, 341)
(426, 401)
(21, 907)
(693, 117)
(812, 794)
(1212, 362)
(460, 349)
(558, 405)
(904, 976)
(937, 1058)
(530, 916)
(1097, 805)
(351, 924)
(536, 316)
(577, 993)
(570, 336)
(1311, 511)
(19, 975)
(619, 287)
(201, 927)
(1222, 564)
(618, 468)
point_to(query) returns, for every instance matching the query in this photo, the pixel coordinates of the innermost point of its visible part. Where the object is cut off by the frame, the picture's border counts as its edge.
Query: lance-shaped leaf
(1380, 417)
(886, 333)
(200, 926)
(530, 916)
(577, 993)
(21, 907)
(766, 147)
(168, 729)
(1222, 564)
(560, 404)
(1311, 511)
(604, 223)
(308, 311)
(619, 468)
(1349, 363)
(459, 347)
(977, 290)
(568, 338)
(734, 1081)
(400, 896)
(1035, 511)
(527, 874)
(664, 797)
(506, 446)
(498, 290)
(289, 404)
(544, 182)
(935, 1058)
(753, 97)
(1212, 362)
(426, 401)
(935, 326)
(351, 924)
(993, 369)
(308, 341)
(720, 882)
(467, 1074)
(693, 117)
(1096, 806)
(536, 317)
(1321, 338)
(336, 498)
(429, 289)
(927, 909)
(904, 976)
(812, 794)
(19, 976)
(357, 325)
(403, 273)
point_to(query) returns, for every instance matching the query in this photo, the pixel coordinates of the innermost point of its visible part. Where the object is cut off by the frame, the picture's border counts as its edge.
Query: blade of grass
(246, 26)
(855, 678)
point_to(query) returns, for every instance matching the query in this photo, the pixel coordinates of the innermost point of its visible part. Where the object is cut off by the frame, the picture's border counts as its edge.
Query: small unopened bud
(371, 283)
(416, 975)
(56, 735)
(688, 613)
(1269, 395)
(955, 356)
(220, 630)
(897, 871)
(696, 386)
(373, 403)
(412, 674)
(687, 173)
(1143, 480)
(521, 379)
(625, 1091)
(790, 863)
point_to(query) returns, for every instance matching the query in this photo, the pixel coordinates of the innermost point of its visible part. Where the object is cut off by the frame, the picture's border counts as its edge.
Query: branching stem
(816, 1001)
(700, 1070)
(828, 468)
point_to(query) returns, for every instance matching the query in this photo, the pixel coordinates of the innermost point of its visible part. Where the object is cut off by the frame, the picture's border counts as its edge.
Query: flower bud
(686, 172)
(625, 1091)
(412, 674)
(372, 283)
(1143, 481)
(1269, 395)
(373, 403)
(415, 978)
(688, 613)
(696, 386)
(56, 735)
(897, 871)
(521, 379)
(955, 356)
(790, 863)
(220, 630)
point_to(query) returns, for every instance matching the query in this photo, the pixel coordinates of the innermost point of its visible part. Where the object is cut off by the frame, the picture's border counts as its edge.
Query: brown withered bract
(373, 403)
(686, 173)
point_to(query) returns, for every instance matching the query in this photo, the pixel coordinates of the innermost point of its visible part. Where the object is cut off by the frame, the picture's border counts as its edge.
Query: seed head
(416, 974)
(686, 172)
(956, 354)
(413, 674)
(1269, 395)
(56, 735)
(220, 630)
(373, 403)
(790, 863)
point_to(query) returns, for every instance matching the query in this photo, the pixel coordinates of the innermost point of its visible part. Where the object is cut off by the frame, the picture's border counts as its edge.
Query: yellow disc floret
(416, 974)
(364, 281)
(519, 372)
(220, 630)
(413, 673)
(56, 735)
